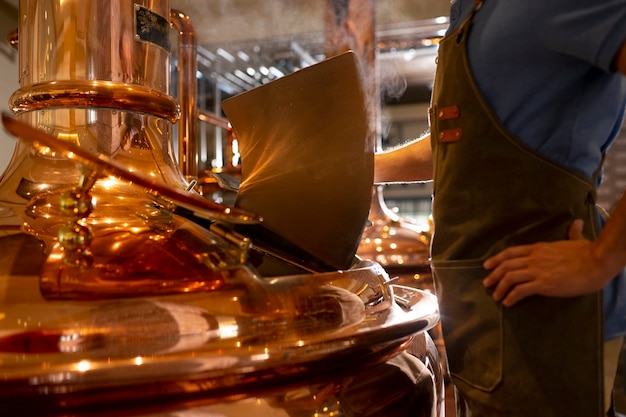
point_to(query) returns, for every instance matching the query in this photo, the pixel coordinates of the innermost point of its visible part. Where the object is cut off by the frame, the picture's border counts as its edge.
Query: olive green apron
(542, 357)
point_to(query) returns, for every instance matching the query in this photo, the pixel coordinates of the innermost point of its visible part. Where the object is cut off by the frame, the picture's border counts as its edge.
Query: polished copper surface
(133, 355)
(98, 186)
(107, 166)
(393, 242)
(63, 40)
(96, 76)
(131, 262)
(95, 93)
(187, 93)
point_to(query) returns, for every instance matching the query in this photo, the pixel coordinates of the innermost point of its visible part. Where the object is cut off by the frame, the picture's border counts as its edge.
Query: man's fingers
(505, 271)
(517, 294)
(509, 281)
(506, 277)
(509, 253)
(494, 277)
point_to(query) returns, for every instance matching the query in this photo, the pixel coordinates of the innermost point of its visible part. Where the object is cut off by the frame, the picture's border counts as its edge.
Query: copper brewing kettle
(95, 75)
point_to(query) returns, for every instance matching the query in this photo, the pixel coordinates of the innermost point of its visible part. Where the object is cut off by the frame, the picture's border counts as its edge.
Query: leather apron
(542, 357)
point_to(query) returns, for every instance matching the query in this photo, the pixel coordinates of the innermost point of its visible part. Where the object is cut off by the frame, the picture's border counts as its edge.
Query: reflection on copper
(214, 119)
(229, 164)
(392, 241)
(129, 357)
(13, 38)
(104, 90)
(99, 166)
(101, 86)
(94, 93)
(141, 262)
(187, 94)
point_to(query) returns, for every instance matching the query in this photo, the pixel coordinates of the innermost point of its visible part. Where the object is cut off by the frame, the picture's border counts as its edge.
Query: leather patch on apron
(450, 135)
(448, 112)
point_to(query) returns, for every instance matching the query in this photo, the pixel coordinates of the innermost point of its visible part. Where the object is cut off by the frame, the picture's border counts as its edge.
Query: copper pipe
(187, 94)
(94, 93)
(214, 119)
(228, 156)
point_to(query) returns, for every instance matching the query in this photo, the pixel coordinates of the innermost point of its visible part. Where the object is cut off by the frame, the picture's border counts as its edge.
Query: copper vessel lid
(131, 355)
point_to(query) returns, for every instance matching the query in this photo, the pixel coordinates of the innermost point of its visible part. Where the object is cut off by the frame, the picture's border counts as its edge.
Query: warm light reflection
(108, 182)
(259, 357)
(138, 360)
(42, 150)
(55, 256)
(83, 366)
(68, 136)
(228, 328)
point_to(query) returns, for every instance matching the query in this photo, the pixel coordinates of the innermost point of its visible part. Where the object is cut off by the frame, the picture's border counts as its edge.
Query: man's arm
(411, 162)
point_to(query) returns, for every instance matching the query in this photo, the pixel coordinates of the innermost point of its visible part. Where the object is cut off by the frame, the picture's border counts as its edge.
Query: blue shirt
(545, 68)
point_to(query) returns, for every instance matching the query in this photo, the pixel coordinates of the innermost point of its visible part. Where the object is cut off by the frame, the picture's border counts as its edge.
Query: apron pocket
(471, 323)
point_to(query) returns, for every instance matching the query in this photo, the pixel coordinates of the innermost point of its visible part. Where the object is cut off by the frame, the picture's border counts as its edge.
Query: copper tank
(113, 303)
(107, 92)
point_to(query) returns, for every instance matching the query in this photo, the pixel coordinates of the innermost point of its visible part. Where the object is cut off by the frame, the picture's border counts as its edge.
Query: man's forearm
(610, 245)
(411, 162)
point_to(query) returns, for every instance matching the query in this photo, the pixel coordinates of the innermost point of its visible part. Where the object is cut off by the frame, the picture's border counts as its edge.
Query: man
(528, 96)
